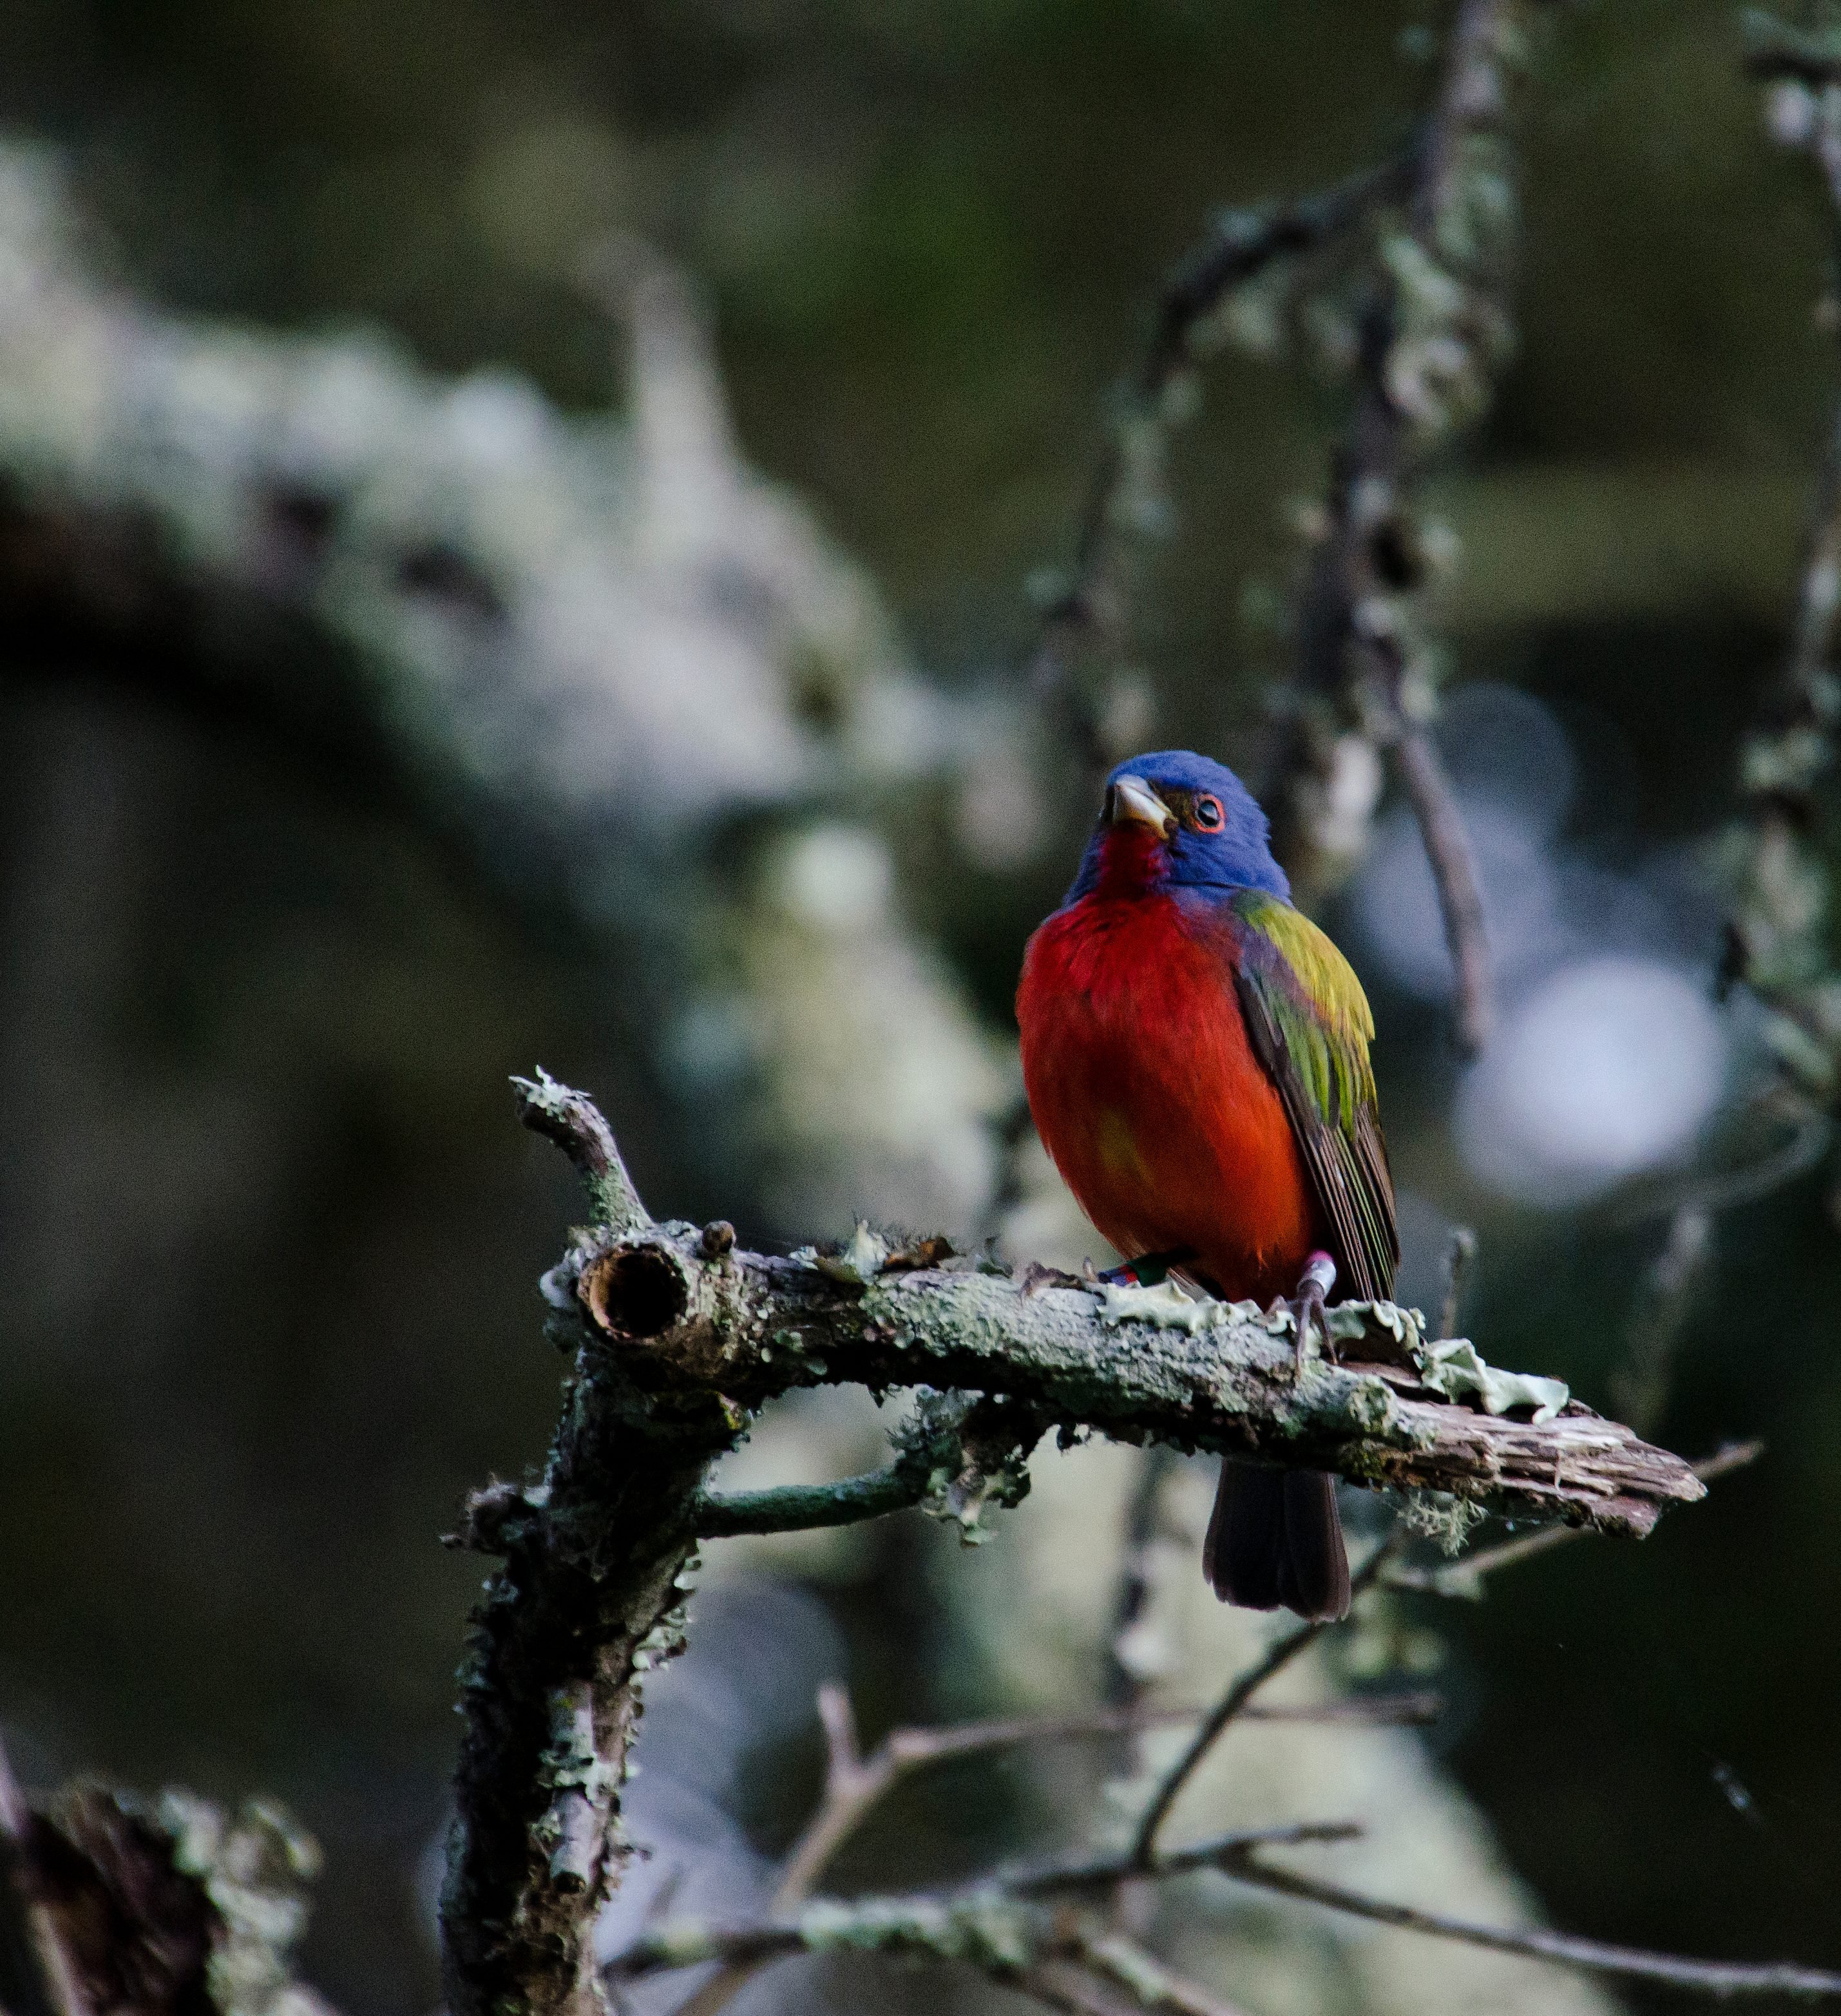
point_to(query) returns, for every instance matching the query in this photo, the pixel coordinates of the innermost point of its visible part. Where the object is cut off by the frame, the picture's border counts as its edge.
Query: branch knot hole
(636, 1291)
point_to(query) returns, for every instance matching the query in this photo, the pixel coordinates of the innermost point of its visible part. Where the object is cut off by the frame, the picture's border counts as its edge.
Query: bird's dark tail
(1277, 1538)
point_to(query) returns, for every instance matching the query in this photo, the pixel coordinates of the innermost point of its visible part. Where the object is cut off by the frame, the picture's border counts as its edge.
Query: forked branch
(677, 1335)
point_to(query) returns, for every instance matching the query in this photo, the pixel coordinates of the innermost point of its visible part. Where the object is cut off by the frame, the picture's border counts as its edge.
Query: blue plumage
(1237, 855)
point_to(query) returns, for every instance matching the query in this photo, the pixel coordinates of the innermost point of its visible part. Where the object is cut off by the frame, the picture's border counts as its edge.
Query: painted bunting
(1195, 1051)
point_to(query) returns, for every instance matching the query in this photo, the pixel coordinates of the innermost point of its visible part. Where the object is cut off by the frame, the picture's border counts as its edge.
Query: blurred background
(420, 662)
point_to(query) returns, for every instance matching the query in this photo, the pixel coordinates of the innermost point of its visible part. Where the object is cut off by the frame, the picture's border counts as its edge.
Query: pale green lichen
(255, 1870)
(1355, 1323)
(1442, 1517)
(861, 1260)
(1405, 1326)
(966, 1499)
(665, 1640)
(1133, 1969)
(1454, 1368)
(570, 1760)
(1169, 1305)
(1369, 1407)
(678, 1942)
(985, 1927)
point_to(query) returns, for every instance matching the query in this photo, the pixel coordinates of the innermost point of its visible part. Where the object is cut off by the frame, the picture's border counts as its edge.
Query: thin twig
(1777, 930)
(1639, 1386)
(1126, 1684)
(1465, 1578)
(1068, 1875)
(854, 1784)
(1460, 1257)
(931, 1440)
(913, 1925)
(1712, 1977)
(1082, 1980)
(930, 1745)
(1233, 1703)
(1158, 1989)
(1132, 1906)
(573, 1121)
(890, 1921)
(1279, 1655)
(1061, 1983)
(1091, 607)
(1354, 654)
(1453, 860)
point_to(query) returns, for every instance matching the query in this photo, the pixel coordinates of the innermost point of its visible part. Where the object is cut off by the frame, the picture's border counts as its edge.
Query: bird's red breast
(1147, 1094)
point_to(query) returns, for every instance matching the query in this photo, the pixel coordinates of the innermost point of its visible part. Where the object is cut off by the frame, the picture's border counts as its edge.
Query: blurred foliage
(269, 1230)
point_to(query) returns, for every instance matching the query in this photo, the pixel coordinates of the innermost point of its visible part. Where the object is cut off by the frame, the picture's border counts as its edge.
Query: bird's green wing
(1311, 1026)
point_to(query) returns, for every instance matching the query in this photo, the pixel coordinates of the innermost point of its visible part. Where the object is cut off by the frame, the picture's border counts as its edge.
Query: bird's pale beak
(1131, 798)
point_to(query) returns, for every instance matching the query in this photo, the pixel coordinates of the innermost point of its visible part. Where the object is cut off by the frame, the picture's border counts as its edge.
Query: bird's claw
(1307, 1305)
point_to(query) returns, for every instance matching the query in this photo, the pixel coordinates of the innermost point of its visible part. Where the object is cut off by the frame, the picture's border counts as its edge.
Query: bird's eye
(1208, 814)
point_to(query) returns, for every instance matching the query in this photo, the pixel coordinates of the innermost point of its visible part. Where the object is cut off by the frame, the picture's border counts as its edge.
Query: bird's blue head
(1175, 820)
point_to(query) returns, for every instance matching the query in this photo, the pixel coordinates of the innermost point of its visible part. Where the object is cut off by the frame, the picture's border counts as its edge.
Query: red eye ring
(1208, 814)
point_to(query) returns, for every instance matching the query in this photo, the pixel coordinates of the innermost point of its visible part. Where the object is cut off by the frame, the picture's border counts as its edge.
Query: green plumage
(1311, 1025)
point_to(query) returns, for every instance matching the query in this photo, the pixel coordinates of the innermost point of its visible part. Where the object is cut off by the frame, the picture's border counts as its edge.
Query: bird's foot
(1306, 1305)
(1149, 1270)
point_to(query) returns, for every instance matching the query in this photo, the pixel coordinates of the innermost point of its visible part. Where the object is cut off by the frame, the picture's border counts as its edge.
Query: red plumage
(1195, 1052)
(1147, 1094)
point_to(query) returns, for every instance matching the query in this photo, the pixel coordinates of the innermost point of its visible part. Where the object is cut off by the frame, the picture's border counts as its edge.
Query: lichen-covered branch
(998, 1924)
(1213, 1377)
(588, 1598)
(573, 647)
(930, 1464)
(1432, 331)
(113, 1902)
(1466, 1576)
(1778, 922)
(676, 1335)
